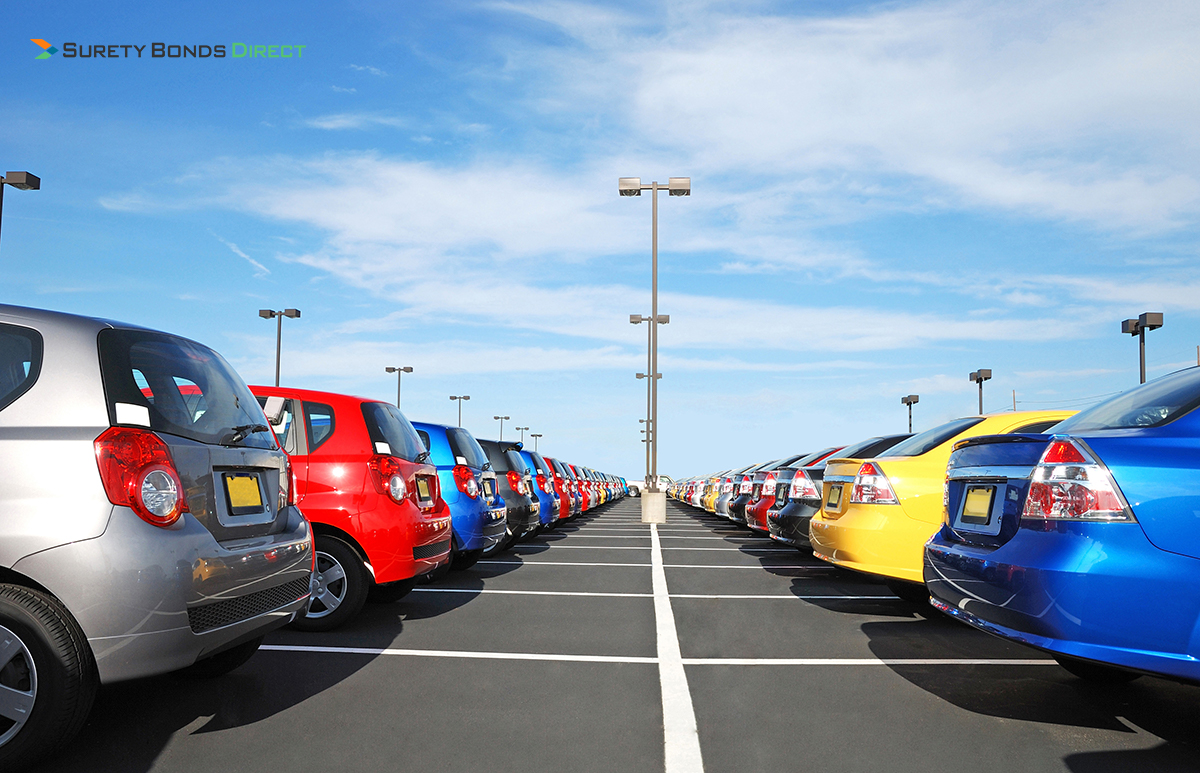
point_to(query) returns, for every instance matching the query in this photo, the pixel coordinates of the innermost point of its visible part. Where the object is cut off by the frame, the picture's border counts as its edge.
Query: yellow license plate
(834, 502)
(244, 493)
(423, 489)
(977, 508)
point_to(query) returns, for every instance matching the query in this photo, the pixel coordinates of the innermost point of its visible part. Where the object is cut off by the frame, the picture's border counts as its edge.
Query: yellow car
(876, 515)
(712, 490)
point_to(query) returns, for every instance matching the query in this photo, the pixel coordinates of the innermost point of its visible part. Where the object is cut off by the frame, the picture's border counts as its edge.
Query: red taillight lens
(1068, 485)
(871, 487)
(542, 483)
(768, 487)
(138, 472)
(388, 476)
(464, 478)
(802, 487)
(515, 481)
(287, 496)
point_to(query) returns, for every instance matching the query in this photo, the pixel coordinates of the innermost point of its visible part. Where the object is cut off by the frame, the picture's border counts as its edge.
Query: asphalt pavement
(608, 645)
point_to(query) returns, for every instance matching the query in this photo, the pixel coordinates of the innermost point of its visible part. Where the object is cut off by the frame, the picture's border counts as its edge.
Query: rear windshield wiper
(241, 431)
(422, 457)
(486, 466)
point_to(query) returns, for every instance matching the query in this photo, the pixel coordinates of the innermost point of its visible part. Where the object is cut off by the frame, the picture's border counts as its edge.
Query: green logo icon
(49, 49)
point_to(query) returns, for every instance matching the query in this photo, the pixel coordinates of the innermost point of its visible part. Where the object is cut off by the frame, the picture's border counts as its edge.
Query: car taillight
(289, 477)
(464, 478)
(802, 487)
(388, 476)
(542, 483)
(515, 482)
(138, 472)
(747, 484)
(871, 487)
(1069, 484)
(768, 487)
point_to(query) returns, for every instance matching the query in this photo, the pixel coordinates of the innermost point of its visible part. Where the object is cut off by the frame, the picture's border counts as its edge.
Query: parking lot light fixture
(278, 316)
(1151, 320)
(980, 376)
(22, 181)
(459, 399)
(501, 419)
(910, 400)
(535, 436)
(399, 370)
(523, 429)
(632, 186)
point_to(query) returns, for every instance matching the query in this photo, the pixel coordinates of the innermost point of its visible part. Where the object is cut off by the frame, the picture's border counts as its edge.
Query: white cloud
(259, 269)
(355, 121)
(369, 69)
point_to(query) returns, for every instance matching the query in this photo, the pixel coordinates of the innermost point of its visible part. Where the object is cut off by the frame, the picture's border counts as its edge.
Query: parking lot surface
(609, 645)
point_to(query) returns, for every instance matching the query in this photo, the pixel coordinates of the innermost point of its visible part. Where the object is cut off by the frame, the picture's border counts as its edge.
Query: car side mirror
(274, 410)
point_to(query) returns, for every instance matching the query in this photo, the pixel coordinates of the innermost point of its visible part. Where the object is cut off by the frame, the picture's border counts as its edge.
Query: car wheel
(221, 663)
(465, 559)
(532, 533)
(47, 676)
(1095, 672)
(390, 592)
(909, 591)
(339, 587)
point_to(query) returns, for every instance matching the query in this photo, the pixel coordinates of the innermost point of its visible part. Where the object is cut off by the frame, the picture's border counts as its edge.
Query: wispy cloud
(259, 269)
(340, 90)
(369, 69)
(356, 121)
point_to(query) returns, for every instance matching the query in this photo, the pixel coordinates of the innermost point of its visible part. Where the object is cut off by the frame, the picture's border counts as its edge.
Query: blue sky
(886, 196)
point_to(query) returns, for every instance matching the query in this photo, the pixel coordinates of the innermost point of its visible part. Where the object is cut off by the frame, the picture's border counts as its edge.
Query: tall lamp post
(980, 376)
(1151, 320)
(22, 181)
(910, 400)
(632, 186)
(399, 371)
(522, 434)
(459, 399)
(278, 315)
(535, 436)
(501, 419)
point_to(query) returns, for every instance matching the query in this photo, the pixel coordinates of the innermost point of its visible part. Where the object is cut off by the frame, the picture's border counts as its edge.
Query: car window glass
(931, 438)
(285, 431)
(320, 423)
(515, 462)
(386, 424)
(1037, 427)
(20, 361)
(466, 448)
(424, 439)
(1158, 402)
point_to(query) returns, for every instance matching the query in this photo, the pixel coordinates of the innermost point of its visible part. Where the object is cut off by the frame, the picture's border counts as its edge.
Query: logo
(49, 49)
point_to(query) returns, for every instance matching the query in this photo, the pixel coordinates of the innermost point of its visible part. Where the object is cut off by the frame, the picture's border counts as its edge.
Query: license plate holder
(833, 500)
(243, 493)
(981, 510)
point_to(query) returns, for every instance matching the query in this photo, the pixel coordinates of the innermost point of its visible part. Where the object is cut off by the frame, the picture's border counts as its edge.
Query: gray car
(145, 519)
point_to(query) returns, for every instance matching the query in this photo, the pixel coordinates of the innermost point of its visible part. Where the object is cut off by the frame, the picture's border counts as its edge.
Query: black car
(797, 500)
(511, 478)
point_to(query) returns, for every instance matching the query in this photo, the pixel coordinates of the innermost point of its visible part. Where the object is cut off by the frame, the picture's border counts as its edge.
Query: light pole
(501, 419)
(399, 371)
(645, 431)
(522, 434)
(22, 181)
(980, 376)
(459, 399)
(1151, 320)
(535, 436)
(279, 315)
(910, 400)
(632, 186)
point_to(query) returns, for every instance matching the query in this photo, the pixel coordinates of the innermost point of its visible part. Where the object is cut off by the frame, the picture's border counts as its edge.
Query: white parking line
(535, 592)
(647, 547)
(667, 566)
(554, 657)
(877, 597)
(681, 740)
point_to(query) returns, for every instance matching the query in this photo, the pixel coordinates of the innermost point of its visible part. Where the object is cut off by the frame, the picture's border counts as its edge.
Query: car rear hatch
(987, 480)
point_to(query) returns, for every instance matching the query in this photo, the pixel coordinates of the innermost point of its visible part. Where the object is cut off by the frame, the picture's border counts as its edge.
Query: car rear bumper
(790, 524)
(876, 539)
(1096, 591)
(153, 600)
(475, 523)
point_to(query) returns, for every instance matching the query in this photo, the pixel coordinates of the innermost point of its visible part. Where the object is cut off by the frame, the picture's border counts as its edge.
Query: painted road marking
(646, 595)
(759, 567)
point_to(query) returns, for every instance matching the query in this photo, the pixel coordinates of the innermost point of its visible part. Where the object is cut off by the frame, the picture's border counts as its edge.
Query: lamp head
(1129, 326)
(680, 186)
(1151, 320)
(23, 181)
(630, 186)
(266, 314)
(293, 313)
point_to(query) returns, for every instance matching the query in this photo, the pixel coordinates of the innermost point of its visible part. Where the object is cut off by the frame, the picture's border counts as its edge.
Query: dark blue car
(477, 512)
(1084, 543)
(541, 481)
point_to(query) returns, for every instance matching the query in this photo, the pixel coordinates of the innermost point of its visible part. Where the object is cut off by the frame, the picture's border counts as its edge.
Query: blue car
(477, 512)
(1084, 543)
(541, 482)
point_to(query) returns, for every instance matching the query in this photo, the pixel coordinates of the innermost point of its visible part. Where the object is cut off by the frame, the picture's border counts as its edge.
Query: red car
(374, 502)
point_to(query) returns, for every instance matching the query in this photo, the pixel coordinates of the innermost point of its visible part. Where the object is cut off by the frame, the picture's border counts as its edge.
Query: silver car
(146, 521)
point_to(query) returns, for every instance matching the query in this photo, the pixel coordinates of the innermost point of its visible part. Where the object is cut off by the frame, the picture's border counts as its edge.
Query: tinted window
(320, 423)
(539, 462)
(176, 386)
(386, 424)
(424, 439)
(20, 361)
(1037, 427)
(515, 462)
(1158, 402)
(466, 448)
(931, 438)
(869, 449)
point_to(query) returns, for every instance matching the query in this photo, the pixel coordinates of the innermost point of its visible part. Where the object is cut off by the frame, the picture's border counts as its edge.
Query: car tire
(502, 545)
(913, 592)
(339, 587)
(465, 559)
(1097, 673)
(221, 663)
(50, 660)
(390, 592)
(531, 534)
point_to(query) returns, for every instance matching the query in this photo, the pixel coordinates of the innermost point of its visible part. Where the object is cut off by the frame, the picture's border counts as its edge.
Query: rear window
(178, 387)
(424, 439)
(1149, 405)
(387, 425)
(871, 448)
(20, 361)
(931, 438)
(539, 462)
(465, 448)
(515, 462)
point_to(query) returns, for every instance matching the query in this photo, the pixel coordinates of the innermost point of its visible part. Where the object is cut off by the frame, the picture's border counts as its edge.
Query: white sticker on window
(460, 459)
(128, 413)
(383, 448)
